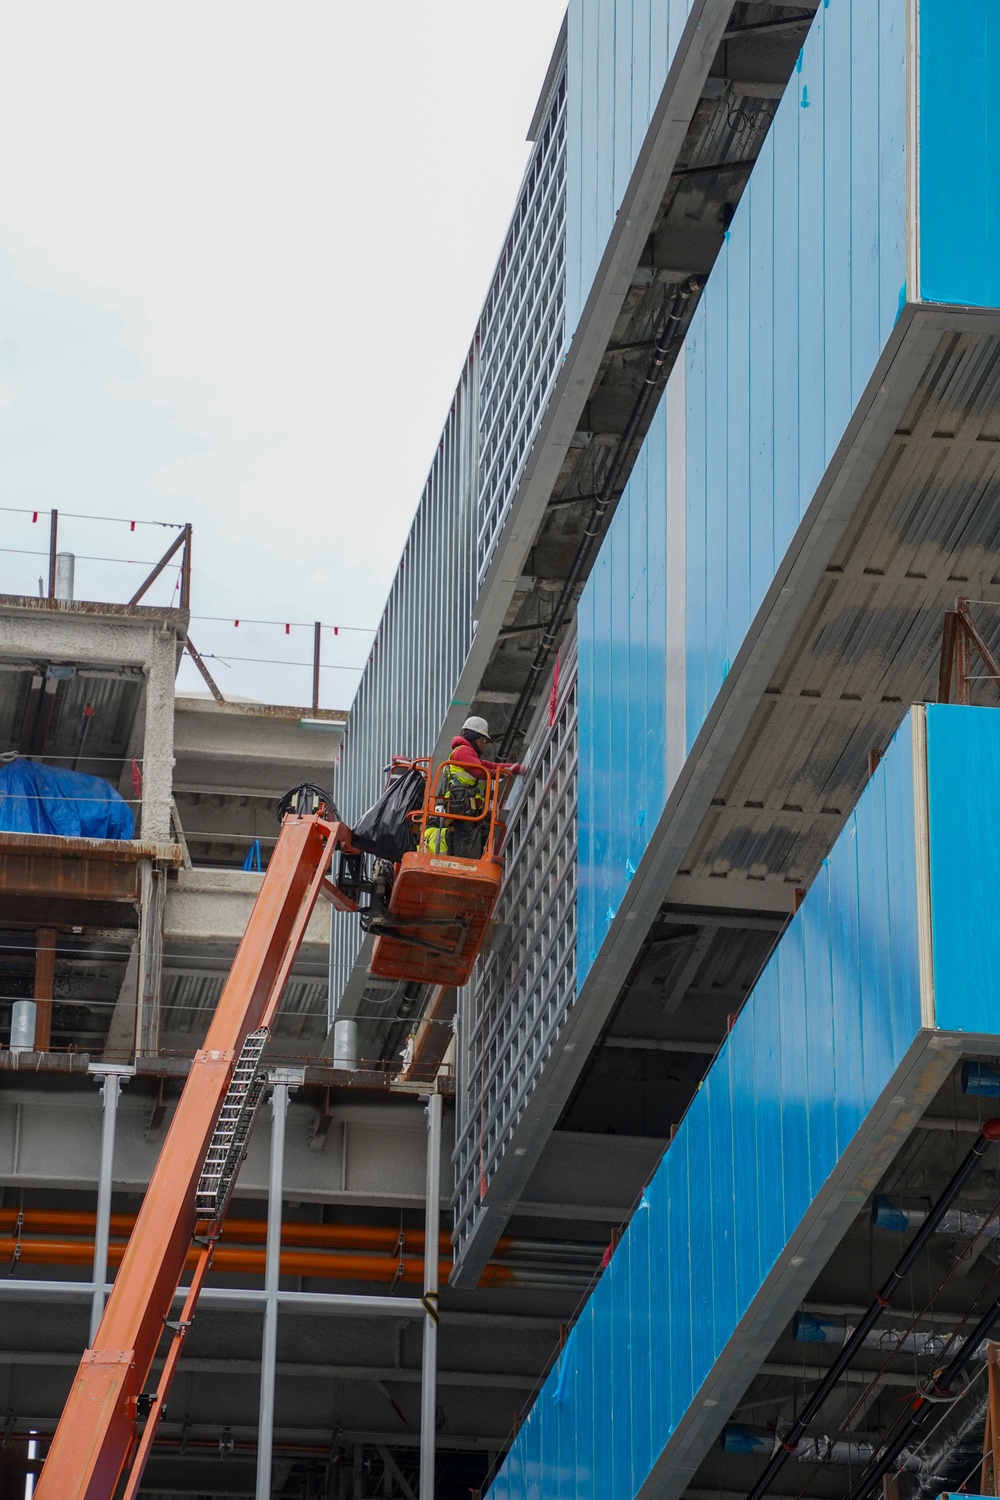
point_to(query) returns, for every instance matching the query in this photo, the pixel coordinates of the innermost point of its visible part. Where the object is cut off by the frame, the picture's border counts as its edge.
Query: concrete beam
(50, 1138)
(214, 906)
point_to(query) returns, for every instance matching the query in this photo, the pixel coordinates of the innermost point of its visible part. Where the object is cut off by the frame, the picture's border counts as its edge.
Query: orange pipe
(333, 1266)
(250, 1231)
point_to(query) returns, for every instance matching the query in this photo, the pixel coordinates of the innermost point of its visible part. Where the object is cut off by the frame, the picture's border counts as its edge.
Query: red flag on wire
(554, 695)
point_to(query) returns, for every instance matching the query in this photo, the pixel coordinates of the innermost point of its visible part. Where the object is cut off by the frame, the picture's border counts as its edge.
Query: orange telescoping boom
(99, 1428)
(430, 932)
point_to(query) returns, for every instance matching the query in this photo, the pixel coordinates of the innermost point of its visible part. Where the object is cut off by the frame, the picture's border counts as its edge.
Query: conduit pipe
(937, 1389)
(819, 1448)
(889, 1213)
(332, 1265)
(987, 1137)
(361, 1237)
(809, 1329)
(667, 338)
(236, 1231)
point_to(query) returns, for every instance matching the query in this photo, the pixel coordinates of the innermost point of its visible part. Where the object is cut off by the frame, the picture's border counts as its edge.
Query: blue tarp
(42, 799)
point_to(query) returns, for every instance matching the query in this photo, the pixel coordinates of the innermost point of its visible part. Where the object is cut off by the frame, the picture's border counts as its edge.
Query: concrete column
(150, 958)
(158, 737)
(112, 1081)
(432, 1231)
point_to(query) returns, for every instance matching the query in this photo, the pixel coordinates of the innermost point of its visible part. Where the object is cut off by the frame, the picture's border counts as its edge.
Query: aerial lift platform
(435, 921)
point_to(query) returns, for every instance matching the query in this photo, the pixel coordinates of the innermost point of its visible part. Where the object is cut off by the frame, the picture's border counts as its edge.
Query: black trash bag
(385, 829)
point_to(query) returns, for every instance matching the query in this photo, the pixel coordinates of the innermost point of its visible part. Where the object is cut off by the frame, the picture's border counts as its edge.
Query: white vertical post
(102, 1230)
(283, 1081)
(432, 1231)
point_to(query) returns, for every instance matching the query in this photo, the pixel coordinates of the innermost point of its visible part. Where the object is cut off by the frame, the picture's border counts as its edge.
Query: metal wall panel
(622, 634)
(959, 152)
(791, 325)
(963, 772)
(784, 1100)
(619, 54)
(522, 329)
(423, 637)
(787, 333)
(426, 628)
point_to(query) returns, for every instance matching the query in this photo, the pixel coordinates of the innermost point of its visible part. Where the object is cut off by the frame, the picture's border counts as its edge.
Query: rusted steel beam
(946, 665)
(77, 869)
(151, 578)
(186, 570)
(53, 543)
(45, 986)
(26, 874)
(195, 656)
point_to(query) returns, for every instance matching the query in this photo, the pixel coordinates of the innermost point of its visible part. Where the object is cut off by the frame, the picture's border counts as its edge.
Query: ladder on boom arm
(101, 1428)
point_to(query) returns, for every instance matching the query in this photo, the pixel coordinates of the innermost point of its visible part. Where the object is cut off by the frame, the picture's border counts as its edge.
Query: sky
(243, 248)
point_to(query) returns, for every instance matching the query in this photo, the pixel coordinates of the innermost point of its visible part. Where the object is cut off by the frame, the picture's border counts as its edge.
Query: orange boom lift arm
(99, 1429)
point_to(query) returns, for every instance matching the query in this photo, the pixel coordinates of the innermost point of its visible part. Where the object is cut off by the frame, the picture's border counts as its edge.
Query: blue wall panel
(776, 404)
(959, 152)
(622, 634)
(963, 772)
(791, 1085)
(787, 335)
(619, 54)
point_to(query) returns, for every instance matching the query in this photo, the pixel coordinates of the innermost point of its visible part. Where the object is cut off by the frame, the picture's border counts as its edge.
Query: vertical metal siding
(779, 1107)
(523, 326)
(423, 637)
(622, 637)
(959, 152)
(963, 772)
(426, 628)
(619, 52)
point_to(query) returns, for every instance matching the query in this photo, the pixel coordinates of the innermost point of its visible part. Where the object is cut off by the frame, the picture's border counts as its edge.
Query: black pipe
(936, 1390)
(667, 338)
(883, 1298)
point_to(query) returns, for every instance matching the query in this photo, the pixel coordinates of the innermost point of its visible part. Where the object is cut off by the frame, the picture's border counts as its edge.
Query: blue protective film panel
(822, 1035)
(791, 325)
(622, 723)
(959, 152)
(963, 771)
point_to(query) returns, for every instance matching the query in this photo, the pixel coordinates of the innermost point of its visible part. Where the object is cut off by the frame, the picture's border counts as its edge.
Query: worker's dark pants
(466, 840)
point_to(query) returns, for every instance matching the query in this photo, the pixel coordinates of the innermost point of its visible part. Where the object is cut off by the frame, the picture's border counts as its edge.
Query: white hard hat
(477, 726)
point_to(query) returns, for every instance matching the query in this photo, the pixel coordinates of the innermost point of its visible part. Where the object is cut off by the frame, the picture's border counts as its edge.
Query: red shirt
(465, 754)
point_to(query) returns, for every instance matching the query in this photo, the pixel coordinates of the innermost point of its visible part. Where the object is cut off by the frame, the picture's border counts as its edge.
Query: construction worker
(464, 792)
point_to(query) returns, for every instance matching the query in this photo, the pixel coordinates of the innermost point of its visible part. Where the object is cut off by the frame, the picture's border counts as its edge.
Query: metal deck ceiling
(938, 1296)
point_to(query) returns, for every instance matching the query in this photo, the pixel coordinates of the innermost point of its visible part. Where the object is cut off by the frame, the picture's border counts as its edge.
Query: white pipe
(102, 1228)
(272, 1272)
(432, 1230)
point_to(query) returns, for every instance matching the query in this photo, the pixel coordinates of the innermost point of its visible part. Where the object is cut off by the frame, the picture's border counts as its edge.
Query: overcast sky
(243, 247)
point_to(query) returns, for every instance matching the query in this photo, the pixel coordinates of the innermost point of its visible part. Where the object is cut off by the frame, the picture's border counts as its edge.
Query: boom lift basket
(440, 906)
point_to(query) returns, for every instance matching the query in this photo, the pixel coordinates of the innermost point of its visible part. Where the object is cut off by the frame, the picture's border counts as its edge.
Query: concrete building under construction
(712, 541)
